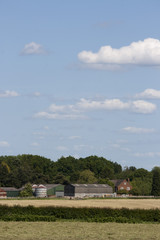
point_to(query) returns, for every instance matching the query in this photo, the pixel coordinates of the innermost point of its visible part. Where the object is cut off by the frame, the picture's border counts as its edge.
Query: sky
(81, 78)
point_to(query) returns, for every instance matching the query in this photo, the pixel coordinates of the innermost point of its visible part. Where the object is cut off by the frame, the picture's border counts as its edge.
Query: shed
(52, 189)
(3, 193)
(55, 190)
(87, 190)
(12, 192)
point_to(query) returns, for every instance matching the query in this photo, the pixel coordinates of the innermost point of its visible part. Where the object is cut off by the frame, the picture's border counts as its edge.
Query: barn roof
(91, 185)
(92, 188)
(2, 190)
(11, 189)
(48, 186)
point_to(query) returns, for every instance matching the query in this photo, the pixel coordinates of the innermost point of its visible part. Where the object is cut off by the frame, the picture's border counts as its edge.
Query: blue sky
(81, 78)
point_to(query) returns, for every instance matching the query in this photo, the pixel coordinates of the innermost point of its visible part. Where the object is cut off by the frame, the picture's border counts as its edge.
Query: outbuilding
(3, 193)
(12, 192)
(87, 190)
(55, 190)
(52, 190)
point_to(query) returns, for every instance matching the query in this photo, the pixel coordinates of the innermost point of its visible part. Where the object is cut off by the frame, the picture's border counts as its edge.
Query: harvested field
(78, 231)
(108, 203)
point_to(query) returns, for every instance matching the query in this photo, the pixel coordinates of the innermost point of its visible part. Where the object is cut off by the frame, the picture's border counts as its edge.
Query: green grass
(78, 231)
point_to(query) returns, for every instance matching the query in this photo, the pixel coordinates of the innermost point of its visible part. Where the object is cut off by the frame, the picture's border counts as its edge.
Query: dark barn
(87, 190)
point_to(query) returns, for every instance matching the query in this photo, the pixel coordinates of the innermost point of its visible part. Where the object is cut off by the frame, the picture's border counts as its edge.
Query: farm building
(87, 190)
(55, 190)
(122, 184)
(11, 191)
(48, 190)
(3, 193)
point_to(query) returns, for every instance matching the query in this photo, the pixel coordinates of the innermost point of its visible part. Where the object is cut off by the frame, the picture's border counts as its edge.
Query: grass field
(111, 203)
(78, 231)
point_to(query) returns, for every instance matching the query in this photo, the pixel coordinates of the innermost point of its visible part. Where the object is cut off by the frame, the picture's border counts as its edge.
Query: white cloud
(141, 106)
(118, 146)
(149, 93)
(57, 108)
(145, 52)
(4, 144)
(82, 146)
(35, 144)
(48, 115)
(74, 137)
(76, 111)
(138, 130)
(46, 127)
(147, 154)
(33, 48)
(138, 106)
(8, 94)
(36, 94)
(108, 104)
(62, 148)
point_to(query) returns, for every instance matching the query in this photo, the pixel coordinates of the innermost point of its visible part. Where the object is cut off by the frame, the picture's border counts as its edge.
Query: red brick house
(122, 184)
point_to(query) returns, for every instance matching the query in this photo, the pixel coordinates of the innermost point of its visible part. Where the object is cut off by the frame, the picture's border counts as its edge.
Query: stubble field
(77, 231)
(102, 203)
(73, 230)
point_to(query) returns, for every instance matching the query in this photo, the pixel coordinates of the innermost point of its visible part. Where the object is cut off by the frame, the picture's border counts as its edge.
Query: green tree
(4, 173)
(61, 179)
(87, 176)
(27, 191)
(142, 186)
(156, 181)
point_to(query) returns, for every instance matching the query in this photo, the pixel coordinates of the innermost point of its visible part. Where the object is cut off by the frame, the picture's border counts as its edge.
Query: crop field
(77, 231)
(108, 203)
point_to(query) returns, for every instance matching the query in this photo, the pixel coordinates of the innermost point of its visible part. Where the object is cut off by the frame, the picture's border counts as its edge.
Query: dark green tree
(61, 179)
(87, 176)
(27, 191)
(156, 181)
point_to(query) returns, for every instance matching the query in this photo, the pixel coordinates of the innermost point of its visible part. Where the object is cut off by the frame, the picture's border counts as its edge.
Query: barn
(11, 191)
(87, 190)
(3, 193)
(51, 189)
(55, 190)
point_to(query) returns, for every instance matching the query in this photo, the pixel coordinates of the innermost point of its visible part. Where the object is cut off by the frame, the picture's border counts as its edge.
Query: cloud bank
(146, 52)
(78, 110)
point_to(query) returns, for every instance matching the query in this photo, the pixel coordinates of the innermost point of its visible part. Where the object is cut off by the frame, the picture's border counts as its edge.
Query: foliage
(156, 181)
(123, 215)
(106, 181)
(140, 179)
(122, 191)
(61, 179)
(16, 171)
(87, 176)
(27, 191)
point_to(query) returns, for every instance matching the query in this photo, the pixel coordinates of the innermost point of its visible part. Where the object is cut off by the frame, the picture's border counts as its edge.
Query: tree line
(16, 171)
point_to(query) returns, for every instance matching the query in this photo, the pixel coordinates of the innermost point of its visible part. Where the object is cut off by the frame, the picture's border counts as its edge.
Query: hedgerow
(123, 215)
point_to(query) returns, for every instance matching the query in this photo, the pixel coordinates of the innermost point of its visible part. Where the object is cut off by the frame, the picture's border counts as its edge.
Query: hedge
(124, 215)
